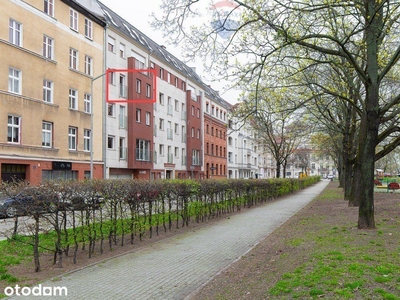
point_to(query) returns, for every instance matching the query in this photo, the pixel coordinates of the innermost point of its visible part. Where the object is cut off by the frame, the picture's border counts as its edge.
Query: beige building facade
(51, 51)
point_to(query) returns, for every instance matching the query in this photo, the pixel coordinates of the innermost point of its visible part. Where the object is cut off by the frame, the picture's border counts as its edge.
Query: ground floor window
(59, 175)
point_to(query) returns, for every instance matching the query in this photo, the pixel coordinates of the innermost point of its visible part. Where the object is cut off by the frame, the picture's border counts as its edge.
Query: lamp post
(91, 122)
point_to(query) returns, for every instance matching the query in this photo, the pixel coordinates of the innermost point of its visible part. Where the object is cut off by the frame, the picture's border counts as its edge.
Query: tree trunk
(369, 125)
(278, 169)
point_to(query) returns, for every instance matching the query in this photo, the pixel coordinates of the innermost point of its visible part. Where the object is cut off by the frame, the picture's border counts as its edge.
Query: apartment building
(51, 50)
(215, 135)
(157, 132)
(243, 156)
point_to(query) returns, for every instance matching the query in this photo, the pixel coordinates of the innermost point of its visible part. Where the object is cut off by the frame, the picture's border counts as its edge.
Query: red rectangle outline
(151, 100)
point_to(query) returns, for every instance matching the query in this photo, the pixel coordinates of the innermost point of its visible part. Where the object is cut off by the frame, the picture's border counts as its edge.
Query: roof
(159, 51)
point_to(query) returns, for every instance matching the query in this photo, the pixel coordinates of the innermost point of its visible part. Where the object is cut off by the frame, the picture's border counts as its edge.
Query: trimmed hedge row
(95, 214)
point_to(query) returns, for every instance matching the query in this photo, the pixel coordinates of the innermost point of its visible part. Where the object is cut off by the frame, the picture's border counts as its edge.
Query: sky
(138, 13)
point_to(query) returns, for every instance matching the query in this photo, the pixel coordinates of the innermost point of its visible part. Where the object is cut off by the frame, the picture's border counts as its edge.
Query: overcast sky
(137, 13)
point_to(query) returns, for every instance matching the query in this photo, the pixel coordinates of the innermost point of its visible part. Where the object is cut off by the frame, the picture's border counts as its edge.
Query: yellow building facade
(50, 107)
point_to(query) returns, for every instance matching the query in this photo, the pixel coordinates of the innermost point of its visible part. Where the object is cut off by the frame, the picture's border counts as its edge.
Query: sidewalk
(178, 266)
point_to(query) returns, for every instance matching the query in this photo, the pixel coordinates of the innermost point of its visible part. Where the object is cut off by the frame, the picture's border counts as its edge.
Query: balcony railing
(170, 134)
(122, 121)
(195, 161)
(183, 137)
(170, 109)
(183, 160)
(170, 158)
(183, 115)
(143, 155)
(155, 130)
(155, 157)
(123, 91)
(122, 153)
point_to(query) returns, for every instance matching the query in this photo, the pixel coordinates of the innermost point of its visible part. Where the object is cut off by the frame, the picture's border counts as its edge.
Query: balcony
(143, 155)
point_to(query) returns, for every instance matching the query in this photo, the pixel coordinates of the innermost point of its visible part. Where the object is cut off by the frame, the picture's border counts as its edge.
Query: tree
(363, 34)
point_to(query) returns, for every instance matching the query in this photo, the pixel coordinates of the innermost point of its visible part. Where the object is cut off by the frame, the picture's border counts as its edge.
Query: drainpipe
(104, 125)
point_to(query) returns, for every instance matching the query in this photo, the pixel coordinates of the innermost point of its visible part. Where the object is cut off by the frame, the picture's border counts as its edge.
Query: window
(110, 142)
(148, 90)
(195, 157)
(140, 61)
(112, 78)
(176, 82)
(198, 113)
(87, 102)
(192, 110)
(13, 129)
(122, 50)
(138, 85)
(142, 150)
(207, 107)
(72, 131)
(122, 148)
(122, 86)
(192, 132)
(161, 100)
(73, 58)
(138, 113)
(198, 133)
(176, 151)
(73, 99)
(86, 140)
(148, 117)
(47, 133)
(48, 47)
(88, 29)
(47, 91)
(169, 77)
(15, 33)
(88, 65)
(14, 81)
(49, 7)
(111, 44)
(161, 149)
(176, 105)
(176, 130)
(122, 117)
(161, 73)
(73, 19)
(161, 124)
(111, 109)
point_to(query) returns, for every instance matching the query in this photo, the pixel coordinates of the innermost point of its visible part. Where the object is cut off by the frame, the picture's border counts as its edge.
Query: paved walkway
(177, 267)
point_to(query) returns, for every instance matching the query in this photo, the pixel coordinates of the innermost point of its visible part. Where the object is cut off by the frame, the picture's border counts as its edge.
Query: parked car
(28, 202)
(330, 176)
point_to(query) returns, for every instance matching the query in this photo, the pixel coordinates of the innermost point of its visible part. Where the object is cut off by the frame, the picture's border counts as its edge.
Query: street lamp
(91, 122)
